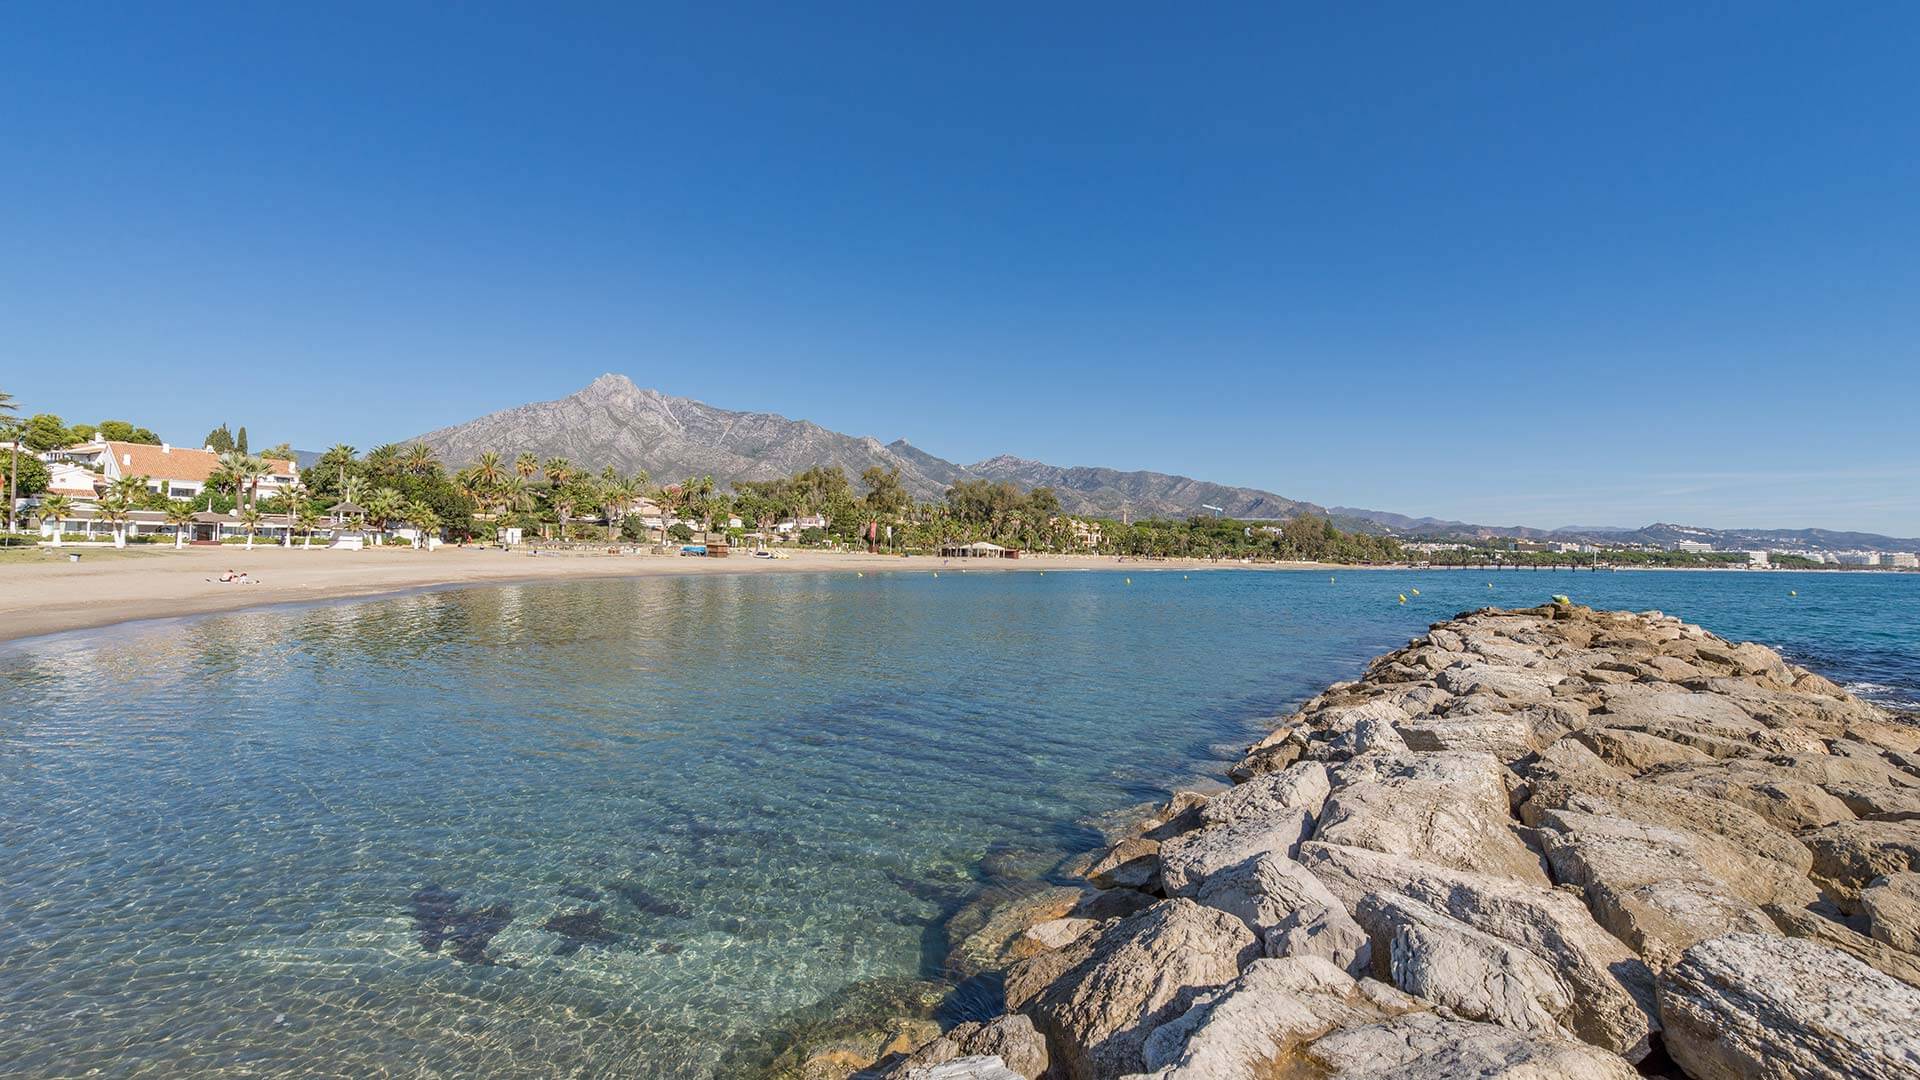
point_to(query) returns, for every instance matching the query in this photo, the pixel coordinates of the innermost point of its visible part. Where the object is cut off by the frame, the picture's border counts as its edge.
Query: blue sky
(1524, 263)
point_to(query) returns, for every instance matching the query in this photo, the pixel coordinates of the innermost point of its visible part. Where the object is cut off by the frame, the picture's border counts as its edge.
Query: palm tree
(343, 454)
(306, 518)
(54, 508)
(250, 519)
(10, 427)
(233, 466)
(527, 466)
(383, 506)
(293, 499)
(115, 510)
(423, 520)
(563, 509)
(559, 470)
(490, 470)
(254, 469)
(179, 515)
(419, 460)
(128, 488)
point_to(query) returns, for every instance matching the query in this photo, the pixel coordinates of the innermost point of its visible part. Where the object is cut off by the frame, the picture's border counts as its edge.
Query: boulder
(1448, 808)
(1187, 861)
(1748, 1007)
(1825, 927)
(1260, 1018)
(1653, 804)
(965, 1068)
(1011, 1040)
(1610, 985)
(1848, 855)
(1661, 890)
(1289, 910)
(1116, 986)
(1636, 752)
(1422, 1046)
(990, 932)
(1473, 974)
(1512, 683)
(1784, 803)
(1133, 863)
(1892, 907)
(1300, 786)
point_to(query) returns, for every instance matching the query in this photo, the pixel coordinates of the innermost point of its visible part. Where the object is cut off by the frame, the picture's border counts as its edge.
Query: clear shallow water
(625, 828)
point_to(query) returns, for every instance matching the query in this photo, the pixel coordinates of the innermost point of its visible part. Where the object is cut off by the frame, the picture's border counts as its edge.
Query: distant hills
(613, 421)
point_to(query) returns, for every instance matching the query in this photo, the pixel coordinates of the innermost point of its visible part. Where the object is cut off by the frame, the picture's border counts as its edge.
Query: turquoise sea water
(627, 828)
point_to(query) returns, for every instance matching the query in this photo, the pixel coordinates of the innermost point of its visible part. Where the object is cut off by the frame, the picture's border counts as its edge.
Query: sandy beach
(44, 593)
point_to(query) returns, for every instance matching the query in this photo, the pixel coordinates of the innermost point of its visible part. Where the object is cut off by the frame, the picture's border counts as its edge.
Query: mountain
(1085, 490)
(614, 422)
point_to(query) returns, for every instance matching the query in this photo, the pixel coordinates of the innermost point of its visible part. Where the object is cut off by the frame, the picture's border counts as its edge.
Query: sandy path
(45, 593)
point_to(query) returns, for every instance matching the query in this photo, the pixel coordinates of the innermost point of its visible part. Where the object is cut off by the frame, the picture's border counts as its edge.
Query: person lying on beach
(232, 577)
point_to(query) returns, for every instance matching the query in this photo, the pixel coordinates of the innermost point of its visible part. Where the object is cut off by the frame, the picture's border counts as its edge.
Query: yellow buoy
(1416, 592)
(1129, 581)
(1489, 584)
(1793, 592)
(1403, 598)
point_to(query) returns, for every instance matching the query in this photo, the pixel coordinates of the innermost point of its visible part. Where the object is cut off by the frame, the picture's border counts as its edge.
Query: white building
(170, 470)
(1694, 547)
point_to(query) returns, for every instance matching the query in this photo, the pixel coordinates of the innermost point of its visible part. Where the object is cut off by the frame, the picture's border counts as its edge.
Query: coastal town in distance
(759, 541)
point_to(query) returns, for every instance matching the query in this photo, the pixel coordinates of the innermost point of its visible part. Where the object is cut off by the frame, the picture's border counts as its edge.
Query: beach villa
(174, 471)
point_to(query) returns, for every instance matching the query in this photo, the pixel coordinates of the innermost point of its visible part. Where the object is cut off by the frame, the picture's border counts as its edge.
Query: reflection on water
(626, 828)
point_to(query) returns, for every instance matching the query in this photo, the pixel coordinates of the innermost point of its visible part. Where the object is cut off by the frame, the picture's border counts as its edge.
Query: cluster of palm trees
(498, 487)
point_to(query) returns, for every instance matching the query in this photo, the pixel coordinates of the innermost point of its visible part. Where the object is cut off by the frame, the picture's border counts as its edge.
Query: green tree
(424, 521)
(179, 515)
(116, 511)
(240, 439)
(220, 440)
(44, 432)
(383, 507)
(250, 520)
(54, 508)
(121, 431)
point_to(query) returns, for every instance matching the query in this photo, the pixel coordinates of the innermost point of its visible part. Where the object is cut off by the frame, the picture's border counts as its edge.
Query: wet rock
(1422, 1046)
(1746, 1006)
(1133, 863)
(439, 921)
(578, 928)
(648, 903)
(1131, 977)
(990, 932)
(1241, 1032)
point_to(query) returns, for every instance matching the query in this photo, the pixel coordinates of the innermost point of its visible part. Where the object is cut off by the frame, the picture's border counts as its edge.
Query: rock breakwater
(1541, 843)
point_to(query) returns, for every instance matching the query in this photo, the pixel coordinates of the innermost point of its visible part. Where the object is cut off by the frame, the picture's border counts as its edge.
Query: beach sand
(44, 593)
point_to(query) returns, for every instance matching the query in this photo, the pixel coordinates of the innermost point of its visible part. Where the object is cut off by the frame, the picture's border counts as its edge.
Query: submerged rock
(438, 920)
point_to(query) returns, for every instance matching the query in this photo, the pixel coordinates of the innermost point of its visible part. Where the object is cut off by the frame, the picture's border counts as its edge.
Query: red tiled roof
(174, 463)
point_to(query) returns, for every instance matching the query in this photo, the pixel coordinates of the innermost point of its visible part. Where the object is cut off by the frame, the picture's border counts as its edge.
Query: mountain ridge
(612, 420)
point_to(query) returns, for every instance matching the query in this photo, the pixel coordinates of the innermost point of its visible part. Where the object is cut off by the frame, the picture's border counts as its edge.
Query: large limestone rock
(1785, 803)
(1422, 1046)
(1660, 889)
(1848, 855)
(1289, 910)
(1746, 1007)
(1475, 975)
(1653, 804)
(1892, 907)
(1011, 1042)
(1116, 986)
(1133, 863)
(1448, 808)
(966, 1068)
(1611, 987)
(1260, 1018)
(1829, 930)
(1270, 814)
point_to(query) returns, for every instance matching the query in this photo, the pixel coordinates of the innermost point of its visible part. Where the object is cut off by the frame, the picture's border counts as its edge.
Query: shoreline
(1570, 840)
(48, 596)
